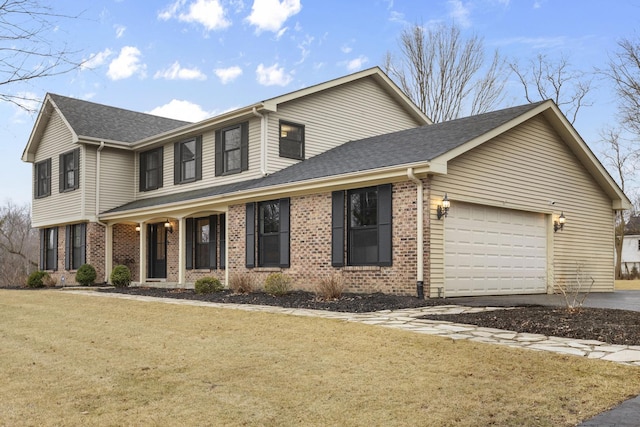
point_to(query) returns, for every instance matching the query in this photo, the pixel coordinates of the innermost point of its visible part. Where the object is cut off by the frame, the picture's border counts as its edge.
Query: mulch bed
(607, 325)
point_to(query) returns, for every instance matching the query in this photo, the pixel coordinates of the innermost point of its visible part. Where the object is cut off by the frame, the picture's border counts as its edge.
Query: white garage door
(494, 251)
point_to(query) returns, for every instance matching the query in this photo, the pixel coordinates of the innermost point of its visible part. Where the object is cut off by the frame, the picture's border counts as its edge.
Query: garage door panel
(493, 251)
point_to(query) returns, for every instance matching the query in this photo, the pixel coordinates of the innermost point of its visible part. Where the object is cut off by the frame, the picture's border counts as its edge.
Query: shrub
(121, 276)
(207, 285)
(330, 288)
(277, 284)
(37, 279)
(86, 275)
(242, 283)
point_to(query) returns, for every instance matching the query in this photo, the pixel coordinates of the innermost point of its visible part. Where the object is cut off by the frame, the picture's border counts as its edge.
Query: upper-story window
(42, 172)
(70, 170)
(232, 149)
(291, 140)
(151, 169)
(188, 161)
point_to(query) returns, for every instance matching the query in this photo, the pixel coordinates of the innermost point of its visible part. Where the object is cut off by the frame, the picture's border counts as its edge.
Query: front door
(157, 251)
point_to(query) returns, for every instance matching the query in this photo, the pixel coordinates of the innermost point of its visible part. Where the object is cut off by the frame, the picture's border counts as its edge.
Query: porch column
(182, 242)
(143, 252)
(108, 248)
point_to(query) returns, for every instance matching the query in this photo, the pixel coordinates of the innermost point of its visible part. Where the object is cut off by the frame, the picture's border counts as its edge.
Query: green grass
(99, 361)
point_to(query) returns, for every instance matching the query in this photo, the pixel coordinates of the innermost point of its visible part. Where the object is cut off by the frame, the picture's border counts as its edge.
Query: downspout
(107, 240)
(263, 141)
(420, 233)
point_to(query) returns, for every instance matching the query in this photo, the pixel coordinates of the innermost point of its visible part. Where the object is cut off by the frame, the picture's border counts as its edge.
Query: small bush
(207, 285)
(242, 283)
(49, 281)
(86, 275)
(121, 276)
(277, 284)
(37, 279)
(330, 288)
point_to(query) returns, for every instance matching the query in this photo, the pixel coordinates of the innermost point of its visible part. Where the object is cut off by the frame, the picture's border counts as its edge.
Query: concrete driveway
(623, 300)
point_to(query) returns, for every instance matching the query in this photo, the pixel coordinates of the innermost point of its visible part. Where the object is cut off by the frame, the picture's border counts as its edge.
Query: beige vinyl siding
(331, 118)
(208, 166)
(58, 208)
(88, 178)
(526, 168)
(117, 181)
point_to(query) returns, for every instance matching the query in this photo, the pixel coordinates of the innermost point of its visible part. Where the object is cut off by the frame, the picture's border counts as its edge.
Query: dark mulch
(607, 325)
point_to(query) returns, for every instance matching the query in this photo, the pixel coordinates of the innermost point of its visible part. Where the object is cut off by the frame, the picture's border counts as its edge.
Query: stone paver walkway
(407, 319)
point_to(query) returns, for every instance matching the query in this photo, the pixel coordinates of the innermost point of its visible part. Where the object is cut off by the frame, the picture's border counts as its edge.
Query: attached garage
(494, 251)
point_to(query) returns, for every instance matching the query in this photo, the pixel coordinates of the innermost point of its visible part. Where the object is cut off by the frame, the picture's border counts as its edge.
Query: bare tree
(18, 244)
(27, 50)
(543, 78)
(622, 158)
(446, 75)
(624, 72)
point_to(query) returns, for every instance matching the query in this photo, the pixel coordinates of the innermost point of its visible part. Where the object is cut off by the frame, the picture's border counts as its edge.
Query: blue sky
(191, 59)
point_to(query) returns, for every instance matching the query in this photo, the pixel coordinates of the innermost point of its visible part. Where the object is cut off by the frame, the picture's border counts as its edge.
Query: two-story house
(346, 177)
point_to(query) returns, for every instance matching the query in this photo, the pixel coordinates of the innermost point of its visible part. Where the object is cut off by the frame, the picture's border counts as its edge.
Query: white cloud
(181, 110)
(120, 29)
(270, 15)
(357, 63)
(127, 64)
(175, 72)
(346, 49)
(26, 105)
(227, 75)
(273, 76)
(460, 13)
(208, 13)
(95, 60)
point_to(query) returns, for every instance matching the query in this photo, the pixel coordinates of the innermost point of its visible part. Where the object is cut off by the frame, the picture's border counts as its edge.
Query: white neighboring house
(631, 246)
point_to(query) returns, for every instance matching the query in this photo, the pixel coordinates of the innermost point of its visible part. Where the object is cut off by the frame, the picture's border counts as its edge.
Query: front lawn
(81, 360)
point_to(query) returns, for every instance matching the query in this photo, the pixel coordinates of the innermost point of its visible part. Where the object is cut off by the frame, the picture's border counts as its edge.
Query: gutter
(263, 140)
(419, 233)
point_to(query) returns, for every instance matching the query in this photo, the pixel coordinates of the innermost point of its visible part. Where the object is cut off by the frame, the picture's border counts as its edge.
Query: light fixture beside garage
(443, 209)
(559, 224)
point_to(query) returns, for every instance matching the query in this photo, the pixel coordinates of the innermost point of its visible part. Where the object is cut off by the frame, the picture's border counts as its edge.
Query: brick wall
(96, 249)
(311, 245)
(126, 248)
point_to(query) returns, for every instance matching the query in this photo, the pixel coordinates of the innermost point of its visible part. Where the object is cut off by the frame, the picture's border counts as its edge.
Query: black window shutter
(189, 244)
(250, 246)
(219, 160)
(83, 243)
(213, 242)
(143, 168)
(55, 249)
(176, 163)
(198, 158)
(337, 228)
(223, 241)
(43, 248)
(285, 258)
(76, 172)
(161, 167)
(68, 248)
(385, 247)
(49, 179)
(61, 173)
(244, 146)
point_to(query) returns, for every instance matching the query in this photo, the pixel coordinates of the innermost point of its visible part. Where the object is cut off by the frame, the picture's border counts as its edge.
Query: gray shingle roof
(411, 146)
(116, 124)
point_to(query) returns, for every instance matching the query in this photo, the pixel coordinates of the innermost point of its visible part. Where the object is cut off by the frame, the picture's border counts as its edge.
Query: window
(367, 228)
(291, 141)
(70, 170)
(49, 249)
(42, 171)
(204, 237)
(272, 234)
(151, 169)
(75, 246)
(232, 149)
(188, 161)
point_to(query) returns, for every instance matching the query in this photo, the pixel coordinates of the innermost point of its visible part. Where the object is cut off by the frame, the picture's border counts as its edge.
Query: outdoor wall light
(168, 226)
(559, 224)
(443, 209)
(137, 228)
